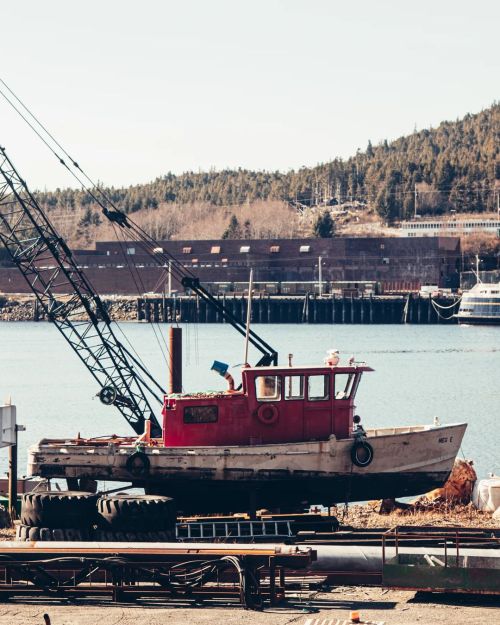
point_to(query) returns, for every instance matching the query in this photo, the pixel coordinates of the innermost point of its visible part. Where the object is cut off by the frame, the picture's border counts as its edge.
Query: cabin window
(268, 387)
(317, 387)
(294, 387)
(345, 385)
(200, 414)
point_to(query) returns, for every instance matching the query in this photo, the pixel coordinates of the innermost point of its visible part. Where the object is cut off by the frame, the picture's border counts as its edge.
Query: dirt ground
(374, 604)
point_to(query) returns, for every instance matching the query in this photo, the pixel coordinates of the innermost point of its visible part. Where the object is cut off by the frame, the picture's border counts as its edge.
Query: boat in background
(480, 305)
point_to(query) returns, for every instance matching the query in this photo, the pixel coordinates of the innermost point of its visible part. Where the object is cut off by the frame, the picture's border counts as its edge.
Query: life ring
(362, 454)
(138, 464)
(267, 414)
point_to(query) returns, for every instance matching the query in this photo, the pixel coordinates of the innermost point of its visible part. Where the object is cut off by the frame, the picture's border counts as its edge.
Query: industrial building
(285, 266)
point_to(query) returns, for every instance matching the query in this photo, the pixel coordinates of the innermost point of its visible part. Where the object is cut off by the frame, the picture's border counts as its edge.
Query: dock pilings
(309, 309)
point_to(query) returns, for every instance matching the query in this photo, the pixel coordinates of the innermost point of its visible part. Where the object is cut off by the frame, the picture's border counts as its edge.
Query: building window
(194, 260)
(244, 249)
(274, 249)
(385, 261)
(130, 251)
(224, 260)
(200, 414)
(215, 249)
(186, 250)
(303, 249)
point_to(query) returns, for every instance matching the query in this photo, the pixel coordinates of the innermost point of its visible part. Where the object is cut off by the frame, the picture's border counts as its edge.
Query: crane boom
(48, 266)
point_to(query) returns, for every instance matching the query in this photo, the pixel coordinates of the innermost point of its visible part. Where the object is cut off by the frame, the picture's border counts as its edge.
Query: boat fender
(138, 464)
(361, 453)
(267, 414)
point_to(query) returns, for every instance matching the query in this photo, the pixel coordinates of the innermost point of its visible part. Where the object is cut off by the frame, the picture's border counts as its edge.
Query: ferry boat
(287, 438)
(480, 305)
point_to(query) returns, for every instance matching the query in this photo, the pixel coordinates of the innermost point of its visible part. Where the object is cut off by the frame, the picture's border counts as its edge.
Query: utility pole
(169, 278)
(416, 196)
(320, 276)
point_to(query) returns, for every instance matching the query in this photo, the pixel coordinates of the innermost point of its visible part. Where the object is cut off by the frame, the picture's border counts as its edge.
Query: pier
(310, 309)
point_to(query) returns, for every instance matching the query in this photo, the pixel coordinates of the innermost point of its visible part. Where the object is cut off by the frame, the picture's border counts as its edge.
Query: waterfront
(421, 372)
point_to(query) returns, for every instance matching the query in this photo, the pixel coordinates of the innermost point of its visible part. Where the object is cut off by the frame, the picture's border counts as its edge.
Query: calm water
(420, 372)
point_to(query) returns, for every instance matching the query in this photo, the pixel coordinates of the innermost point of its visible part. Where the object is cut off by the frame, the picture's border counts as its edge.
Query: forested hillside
(455, 166)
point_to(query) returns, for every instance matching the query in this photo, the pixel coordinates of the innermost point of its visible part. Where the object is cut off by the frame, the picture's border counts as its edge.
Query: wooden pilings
(311, 309)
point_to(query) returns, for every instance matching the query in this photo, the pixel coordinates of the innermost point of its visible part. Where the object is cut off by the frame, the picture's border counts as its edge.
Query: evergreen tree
(233, 231)
(324, 226)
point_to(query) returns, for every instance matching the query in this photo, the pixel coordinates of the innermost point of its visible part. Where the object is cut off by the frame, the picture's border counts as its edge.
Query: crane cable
(141, 236)
(100, 197)
(116, 216)
(83, 185)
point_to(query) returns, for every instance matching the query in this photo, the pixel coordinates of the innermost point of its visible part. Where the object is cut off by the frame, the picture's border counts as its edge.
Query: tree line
(455, 166)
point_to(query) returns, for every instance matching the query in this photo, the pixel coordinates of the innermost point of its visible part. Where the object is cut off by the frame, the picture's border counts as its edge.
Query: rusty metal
(175, 360)
(455, 567)
(249, 574)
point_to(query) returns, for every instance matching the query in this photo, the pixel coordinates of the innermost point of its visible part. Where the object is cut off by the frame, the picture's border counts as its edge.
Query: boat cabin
(274, 405)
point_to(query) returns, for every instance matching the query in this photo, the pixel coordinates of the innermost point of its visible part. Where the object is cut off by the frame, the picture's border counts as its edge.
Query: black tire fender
(367, 457)
(138, 464)
(268, 414)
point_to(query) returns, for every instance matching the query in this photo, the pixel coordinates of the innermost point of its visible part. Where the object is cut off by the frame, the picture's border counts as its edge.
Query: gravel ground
(374, 604)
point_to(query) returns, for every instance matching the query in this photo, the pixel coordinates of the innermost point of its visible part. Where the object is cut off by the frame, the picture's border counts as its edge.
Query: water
(421, 372)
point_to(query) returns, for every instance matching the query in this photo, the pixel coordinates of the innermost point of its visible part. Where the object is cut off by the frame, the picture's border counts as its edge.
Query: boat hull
(484, 321)
(406, 461)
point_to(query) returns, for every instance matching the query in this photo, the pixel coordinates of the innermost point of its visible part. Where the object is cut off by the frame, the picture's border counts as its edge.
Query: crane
(47, 264)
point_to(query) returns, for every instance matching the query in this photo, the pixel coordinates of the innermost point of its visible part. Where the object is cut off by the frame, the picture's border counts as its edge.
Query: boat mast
(249, 316)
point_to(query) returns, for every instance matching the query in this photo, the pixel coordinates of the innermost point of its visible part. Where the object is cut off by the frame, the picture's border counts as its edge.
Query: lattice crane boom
(71, 303)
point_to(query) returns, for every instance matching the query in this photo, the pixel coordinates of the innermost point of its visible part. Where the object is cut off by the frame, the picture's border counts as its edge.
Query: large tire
(59, 509)
(361, 454)
(32, 533)
(137, 513)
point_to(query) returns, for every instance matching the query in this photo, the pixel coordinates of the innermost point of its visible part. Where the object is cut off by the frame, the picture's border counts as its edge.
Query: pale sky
(136, 89)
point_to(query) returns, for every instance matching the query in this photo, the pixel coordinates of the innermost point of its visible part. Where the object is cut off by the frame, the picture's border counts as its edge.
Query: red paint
(244, 419)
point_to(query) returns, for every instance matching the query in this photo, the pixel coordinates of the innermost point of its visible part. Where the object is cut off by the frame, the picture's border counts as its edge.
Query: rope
(435, 306)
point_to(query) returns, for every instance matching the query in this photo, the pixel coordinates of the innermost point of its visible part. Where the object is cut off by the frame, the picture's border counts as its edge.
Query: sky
(134, 90)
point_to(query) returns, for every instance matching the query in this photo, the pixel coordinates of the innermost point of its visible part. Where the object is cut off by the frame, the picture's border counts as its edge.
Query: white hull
(406, 460)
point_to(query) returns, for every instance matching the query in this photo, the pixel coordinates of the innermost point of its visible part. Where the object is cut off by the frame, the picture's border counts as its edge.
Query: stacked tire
(57, 515)
(79, 516)
(133, 518)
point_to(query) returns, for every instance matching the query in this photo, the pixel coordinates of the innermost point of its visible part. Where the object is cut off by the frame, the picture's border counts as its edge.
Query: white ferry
(480, 305)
